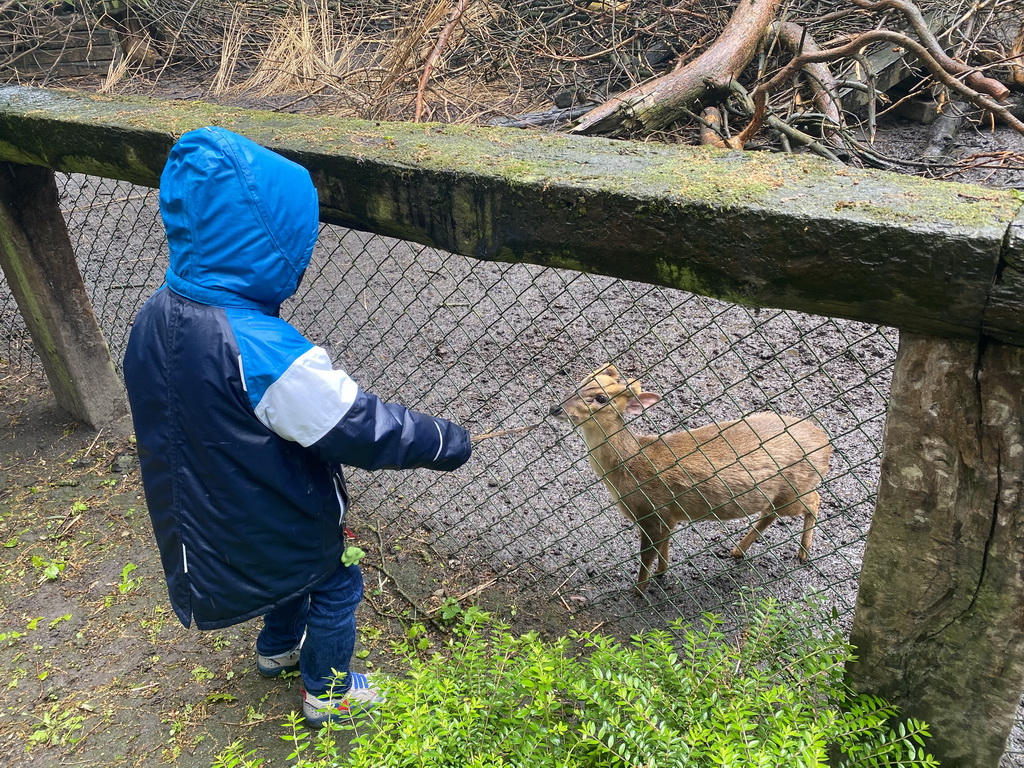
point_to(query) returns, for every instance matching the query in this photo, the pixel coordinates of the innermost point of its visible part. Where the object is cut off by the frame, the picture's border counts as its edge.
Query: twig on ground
(503, 432)
(466, 595)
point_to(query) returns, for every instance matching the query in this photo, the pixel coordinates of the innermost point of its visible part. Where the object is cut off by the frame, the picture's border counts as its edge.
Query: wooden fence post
(939, 626)
(39, 263)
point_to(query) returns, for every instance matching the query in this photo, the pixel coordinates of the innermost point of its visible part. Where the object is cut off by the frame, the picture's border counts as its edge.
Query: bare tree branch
(435, 54)
(981, 100)
(972, 78)
(823, 85)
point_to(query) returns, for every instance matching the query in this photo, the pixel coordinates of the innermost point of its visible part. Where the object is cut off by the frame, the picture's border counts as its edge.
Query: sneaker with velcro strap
(362, 695)
(272, 666)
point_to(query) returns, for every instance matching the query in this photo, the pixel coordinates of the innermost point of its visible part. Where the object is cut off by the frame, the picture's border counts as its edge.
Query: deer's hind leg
(810, 502)
(806, 505)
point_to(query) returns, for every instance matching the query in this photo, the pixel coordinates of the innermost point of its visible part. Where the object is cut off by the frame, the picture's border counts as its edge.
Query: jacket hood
(241, 221)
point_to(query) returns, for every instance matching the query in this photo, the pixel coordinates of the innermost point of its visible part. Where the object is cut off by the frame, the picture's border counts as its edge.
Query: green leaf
(352, 555)
(218, 698)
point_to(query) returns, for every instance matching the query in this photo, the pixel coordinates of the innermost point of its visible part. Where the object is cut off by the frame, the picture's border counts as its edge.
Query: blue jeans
(328, 617)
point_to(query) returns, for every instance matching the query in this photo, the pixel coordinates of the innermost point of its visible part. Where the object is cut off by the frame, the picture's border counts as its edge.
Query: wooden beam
(38, 261)
(792, 232)
(939, 624)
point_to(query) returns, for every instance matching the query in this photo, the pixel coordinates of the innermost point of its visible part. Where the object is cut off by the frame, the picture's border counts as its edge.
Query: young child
(242, 423)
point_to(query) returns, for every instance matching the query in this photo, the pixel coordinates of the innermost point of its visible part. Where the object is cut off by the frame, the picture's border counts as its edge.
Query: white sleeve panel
(308, 399)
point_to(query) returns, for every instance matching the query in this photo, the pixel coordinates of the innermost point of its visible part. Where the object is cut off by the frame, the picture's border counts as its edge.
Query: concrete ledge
(753, 228)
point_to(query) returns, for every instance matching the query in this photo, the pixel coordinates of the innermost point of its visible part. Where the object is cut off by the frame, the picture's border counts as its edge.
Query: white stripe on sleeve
(440, 441)
(308, 399)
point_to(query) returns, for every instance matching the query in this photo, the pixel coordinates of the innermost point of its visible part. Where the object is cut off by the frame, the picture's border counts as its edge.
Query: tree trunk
(939, 627)
(658, 103)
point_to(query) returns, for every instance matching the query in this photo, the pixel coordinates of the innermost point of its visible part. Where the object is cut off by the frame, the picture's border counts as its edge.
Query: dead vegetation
(809, 75)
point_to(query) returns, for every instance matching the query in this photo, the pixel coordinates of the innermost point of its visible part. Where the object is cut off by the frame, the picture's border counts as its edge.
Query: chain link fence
(494, 346)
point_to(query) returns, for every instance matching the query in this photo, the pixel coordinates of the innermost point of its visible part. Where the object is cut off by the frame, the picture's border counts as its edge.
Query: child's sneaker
(272, 666)
(361, 695)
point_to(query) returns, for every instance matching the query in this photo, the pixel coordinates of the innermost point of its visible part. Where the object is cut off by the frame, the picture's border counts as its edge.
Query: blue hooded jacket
(241, 422)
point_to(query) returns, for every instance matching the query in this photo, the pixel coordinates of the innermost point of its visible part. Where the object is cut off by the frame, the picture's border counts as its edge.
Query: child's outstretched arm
(300, 396)
(378, 435)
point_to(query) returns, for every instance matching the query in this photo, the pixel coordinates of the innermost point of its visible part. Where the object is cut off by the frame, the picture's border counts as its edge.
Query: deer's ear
(642, 401)
(648, 398)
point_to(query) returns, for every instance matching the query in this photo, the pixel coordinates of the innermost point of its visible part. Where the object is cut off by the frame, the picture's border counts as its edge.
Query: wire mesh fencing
(494, 347)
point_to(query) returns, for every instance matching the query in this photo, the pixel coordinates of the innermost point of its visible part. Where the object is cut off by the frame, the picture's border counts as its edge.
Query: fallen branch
(972, 78)
(944, 130)
(823, 85)
(549, 117)
(658, 103)
(711, 129)
(780, 125)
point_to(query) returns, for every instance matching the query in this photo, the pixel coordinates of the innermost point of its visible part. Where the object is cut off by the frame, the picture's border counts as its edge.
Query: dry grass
(231, 49)
(119, 67)
(368, 65)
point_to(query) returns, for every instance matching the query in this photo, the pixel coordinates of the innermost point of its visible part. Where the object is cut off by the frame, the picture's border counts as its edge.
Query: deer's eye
(602, 399)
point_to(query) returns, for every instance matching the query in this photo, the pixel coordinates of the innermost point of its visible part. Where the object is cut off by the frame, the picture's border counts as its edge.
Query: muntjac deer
(763, 465)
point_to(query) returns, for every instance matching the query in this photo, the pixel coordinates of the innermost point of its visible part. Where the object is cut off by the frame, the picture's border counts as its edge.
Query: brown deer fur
(763, 465)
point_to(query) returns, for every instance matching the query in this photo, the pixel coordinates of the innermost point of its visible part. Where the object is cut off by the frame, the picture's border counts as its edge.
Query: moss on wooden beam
(767, 230)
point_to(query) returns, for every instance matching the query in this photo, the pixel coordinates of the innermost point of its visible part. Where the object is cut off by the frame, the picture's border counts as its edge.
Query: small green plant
(416, 637)
(234, 757)
(449, 610)
(689, 697)
(221, 698)
(9, 638)
(58, 726)
(49, 570)
(127, 583)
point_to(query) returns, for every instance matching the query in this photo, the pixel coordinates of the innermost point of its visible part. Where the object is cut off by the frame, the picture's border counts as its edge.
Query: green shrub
(773, 696)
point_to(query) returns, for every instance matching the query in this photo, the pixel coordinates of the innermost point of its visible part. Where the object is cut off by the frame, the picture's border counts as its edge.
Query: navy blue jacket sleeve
(378, 435)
